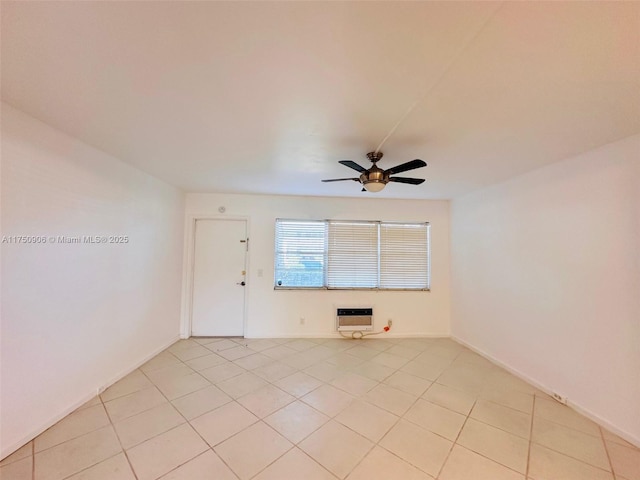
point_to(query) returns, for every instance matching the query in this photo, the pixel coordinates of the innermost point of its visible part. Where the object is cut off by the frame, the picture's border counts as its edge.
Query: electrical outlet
(301, 320)
(559, 398)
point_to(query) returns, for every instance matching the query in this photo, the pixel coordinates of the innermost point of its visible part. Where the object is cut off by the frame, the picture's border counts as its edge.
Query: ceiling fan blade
(412, 181)
(352, 164)
(341, 179)
(406, 166)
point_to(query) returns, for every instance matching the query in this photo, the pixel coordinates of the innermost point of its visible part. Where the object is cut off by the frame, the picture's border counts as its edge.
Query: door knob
(241, 283)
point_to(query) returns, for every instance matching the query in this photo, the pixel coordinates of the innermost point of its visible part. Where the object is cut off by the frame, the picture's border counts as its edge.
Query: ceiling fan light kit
(375, 179)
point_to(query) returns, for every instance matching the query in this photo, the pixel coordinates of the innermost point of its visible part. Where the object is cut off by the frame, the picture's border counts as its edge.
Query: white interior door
(219, 278)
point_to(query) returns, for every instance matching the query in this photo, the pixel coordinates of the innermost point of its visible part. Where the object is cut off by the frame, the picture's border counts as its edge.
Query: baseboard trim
(6, 451)
(546, 389)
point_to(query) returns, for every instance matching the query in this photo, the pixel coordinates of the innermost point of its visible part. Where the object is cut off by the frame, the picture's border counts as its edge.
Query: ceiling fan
(374, 179)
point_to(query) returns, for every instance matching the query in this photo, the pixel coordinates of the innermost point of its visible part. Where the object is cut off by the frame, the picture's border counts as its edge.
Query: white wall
(277, 312)
(546, 279)
(76, 317)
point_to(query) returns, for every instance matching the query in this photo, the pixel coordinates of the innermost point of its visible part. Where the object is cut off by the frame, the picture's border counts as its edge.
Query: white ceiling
(266, 97)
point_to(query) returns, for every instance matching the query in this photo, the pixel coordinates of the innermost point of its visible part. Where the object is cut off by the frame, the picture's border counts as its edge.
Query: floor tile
(546, 464)
(73, 425)
(206, 361)
(436, 419)
(334, 398)
(467, 378)
(391, 399)
(114, 468)
(328, 400)
(75, 455)
(513, 399)
(324, 371)
(368, 420)
(462, 462)
(191, 352)
(172, 371)
(558, 413)
(344, 360)
(456, 400)
(298, 384)
(379, 464)
(389, 360)
(421, 448)
(363, 352)
(408, 383)
(274, 371)
(505, 418)
(18, 470)
(256, 360)
(163, 453)
(177, 387)
(473, 359)
(222, 372)
(133, 382)
(301, 345)
(502, 447)
(292, 465)
(279, 352)
(336, 448)
(296, 421)
(221, 345)
(132, 404)
(162, 360)
(143, 426)
(23, 452)
(206, 466)
(354, 384)
(91, 403)
(625, 461)
(379, 344)
(201, 401)
(404, 351)
(261, 344)
(251, 450)
(265, 401)
(219, 424)
(241, 385)
(374, 371)
(573, 443)
(613, 438)
(428, 369)
(236, 353)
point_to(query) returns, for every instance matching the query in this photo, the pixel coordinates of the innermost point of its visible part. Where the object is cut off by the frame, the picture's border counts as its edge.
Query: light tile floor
(288, 409)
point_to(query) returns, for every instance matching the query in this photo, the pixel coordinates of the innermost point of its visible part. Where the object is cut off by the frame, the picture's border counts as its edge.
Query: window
(339, 254)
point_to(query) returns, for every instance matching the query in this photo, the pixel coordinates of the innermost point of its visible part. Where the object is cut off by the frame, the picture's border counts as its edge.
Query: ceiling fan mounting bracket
(374, 156)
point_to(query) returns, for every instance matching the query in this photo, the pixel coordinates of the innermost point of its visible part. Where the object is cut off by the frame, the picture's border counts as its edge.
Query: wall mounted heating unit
(354, 319)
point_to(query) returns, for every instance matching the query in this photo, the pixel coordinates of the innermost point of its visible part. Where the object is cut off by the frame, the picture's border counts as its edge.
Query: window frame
(326, 266)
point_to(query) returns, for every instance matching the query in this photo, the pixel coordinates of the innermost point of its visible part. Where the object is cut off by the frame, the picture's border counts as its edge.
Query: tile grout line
(533, 412)
(606, 449)
(117, 436)
(189, 423)
(455, 442)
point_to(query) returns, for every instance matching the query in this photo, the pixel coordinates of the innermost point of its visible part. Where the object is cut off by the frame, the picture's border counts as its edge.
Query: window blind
(404, 259)
(352, 255)
(340, 254)
(300, 253)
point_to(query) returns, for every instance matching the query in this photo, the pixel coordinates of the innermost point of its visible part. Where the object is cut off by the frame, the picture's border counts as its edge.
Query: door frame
(188, 265)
